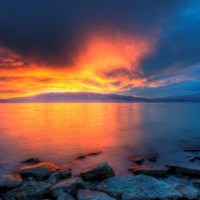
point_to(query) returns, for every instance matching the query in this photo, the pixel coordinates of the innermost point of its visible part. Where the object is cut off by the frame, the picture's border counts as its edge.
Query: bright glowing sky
(146, 48)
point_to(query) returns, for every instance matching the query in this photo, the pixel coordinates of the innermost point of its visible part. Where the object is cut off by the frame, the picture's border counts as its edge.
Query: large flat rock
(38, 171)
(149, 170)
(138, 187)
(186, 169)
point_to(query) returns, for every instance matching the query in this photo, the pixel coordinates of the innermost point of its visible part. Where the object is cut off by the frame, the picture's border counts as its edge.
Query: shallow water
(60, 132)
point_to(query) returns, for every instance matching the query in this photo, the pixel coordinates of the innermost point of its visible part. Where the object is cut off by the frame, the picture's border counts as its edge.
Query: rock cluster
(48, 181)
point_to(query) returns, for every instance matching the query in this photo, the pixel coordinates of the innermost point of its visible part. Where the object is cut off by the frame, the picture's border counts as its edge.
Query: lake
(60, 132)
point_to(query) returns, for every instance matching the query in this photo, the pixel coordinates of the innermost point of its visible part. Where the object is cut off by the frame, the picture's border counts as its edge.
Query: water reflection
(61, 132)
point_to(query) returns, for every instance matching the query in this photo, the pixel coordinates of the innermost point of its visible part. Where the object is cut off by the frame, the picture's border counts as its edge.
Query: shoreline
(35, 179)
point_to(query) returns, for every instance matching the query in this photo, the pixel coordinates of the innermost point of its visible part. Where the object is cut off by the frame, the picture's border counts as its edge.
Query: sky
(146, 48)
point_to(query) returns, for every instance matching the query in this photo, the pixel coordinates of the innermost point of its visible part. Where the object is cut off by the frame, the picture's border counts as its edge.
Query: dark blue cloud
(53, 31)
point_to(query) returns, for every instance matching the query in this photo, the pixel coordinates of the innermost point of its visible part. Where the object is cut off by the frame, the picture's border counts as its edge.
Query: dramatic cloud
(130, 47)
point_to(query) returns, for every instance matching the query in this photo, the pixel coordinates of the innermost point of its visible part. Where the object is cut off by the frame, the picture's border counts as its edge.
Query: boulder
(71, 186)
(92, 195)
(38, 171)
(186, 191)
(138, 187)
(29, 190)
(99, 172)
(65, 196)
(60, 175)
(148, 170)
(137, 159)
(10, 181)
(185, 169)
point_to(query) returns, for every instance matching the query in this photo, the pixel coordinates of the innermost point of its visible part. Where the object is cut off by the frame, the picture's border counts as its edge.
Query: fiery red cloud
(107, 63)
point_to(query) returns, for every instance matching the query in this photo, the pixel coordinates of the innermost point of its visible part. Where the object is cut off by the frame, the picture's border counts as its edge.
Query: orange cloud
(107, 63)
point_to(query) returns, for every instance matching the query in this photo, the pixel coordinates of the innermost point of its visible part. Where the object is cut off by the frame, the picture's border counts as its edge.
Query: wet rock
(148, 170)
(71, 186)
(94, 153)
(99, 172)
(65, 196)
(138, 188)
(137, 159)
(60, 175)
(10, 181)
(29, 190)
(185, 169)
(31, 161)
(38, 171)
(186, 191)
(92, 195)
(152, 157)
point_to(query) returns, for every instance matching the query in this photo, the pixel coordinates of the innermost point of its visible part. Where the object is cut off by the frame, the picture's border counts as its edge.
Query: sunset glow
(107, 64)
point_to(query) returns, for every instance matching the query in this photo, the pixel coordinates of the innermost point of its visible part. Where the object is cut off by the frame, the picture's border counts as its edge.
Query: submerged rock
(94, 153)
(60, 175)
(137, 159)
(65, 196)
(138, 187)
(185, 169)
(186, 191)
(31, 161)
(29, 190)
(81, 157)
(99, 172)
(148, 170)
(193, 158)
(92, 195)
(152, 157)
(38, 171)
(10, 181)
(71, 186)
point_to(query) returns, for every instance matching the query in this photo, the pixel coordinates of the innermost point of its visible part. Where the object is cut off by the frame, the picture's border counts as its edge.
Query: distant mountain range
(96, 97)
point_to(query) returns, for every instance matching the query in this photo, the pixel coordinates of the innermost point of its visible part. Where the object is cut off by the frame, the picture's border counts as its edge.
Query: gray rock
(99, 172)
(138, 187)
(186, 169)
(71, 186)
(148, 170)
(10, 181)
(186, 191)
(65, 196)
(29, 190)
(60, 175)
(38, 171)
(92, 195)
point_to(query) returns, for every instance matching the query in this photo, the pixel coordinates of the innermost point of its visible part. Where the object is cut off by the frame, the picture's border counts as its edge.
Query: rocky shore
(48, 181)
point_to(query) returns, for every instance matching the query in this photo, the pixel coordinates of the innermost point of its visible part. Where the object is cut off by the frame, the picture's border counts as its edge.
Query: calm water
(61, 132)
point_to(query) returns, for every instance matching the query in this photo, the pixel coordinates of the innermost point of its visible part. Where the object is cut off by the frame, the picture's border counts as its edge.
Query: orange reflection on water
(61, 132)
